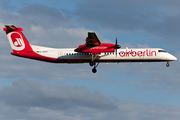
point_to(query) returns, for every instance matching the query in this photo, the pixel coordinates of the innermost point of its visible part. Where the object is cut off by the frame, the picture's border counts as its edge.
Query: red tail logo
(16, 41)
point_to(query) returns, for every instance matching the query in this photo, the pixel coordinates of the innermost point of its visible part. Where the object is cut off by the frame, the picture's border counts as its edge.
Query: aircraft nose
(173, 58)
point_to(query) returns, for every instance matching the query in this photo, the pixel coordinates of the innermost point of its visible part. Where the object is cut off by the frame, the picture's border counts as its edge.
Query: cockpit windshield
(161, 51)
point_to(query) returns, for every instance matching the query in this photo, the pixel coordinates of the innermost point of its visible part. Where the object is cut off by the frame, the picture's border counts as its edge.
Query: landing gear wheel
(167, 64)
(94, 70)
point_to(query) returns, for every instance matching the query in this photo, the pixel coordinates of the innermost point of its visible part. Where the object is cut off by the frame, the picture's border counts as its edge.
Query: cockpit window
(161, 51)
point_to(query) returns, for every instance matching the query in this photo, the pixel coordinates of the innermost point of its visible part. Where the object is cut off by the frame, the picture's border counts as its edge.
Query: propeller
(116, 47)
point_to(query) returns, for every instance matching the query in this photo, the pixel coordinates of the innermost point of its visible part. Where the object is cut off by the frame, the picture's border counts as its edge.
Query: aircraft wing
(92, 40)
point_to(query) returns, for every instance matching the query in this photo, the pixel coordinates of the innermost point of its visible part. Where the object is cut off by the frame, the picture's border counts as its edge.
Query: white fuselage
(92, 52)
(123, 55)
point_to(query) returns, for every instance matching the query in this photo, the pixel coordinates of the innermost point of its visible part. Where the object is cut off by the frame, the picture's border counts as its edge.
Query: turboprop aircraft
(92, 52)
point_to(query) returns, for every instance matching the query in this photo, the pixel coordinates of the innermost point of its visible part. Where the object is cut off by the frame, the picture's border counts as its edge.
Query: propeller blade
(116, 52)
(116, 40)
(116, 47)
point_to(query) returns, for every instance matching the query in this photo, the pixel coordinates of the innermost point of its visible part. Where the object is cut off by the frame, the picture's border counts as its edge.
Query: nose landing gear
(167, 63)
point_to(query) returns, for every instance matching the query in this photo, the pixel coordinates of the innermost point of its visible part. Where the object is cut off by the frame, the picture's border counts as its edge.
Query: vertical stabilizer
(21, 46)
(17, 40)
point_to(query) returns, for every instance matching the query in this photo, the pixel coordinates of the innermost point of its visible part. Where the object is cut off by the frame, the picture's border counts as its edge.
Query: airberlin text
(97, 47)
(133, 53)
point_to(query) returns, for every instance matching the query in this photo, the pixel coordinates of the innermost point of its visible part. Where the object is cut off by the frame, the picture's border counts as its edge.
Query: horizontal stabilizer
(12, 28)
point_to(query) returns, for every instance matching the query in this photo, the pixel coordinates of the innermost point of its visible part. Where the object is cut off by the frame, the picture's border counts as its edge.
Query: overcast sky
(33, 90)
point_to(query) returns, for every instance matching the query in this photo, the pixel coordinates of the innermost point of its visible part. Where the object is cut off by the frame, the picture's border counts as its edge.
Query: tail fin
(21, 46)
(17, 40)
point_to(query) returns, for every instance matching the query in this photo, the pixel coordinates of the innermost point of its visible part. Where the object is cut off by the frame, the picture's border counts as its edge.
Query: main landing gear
(92, 63)
(167, 63)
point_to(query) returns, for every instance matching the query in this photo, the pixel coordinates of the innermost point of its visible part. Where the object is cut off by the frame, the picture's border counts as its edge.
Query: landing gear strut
(167, 63)
(93, 63)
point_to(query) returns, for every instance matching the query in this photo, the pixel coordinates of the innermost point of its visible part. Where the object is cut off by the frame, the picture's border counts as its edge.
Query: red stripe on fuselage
(35, 56)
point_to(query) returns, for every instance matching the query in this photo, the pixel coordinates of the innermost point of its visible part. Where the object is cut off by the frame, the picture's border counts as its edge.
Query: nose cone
(173, 58)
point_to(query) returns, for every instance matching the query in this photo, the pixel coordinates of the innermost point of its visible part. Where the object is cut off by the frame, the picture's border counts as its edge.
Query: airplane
(92, 52)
